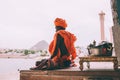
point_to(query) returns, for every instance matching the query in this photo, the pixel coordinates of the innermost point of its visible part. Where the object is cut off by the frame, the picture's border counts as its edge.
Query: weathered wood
(98, 59)
(69, 74)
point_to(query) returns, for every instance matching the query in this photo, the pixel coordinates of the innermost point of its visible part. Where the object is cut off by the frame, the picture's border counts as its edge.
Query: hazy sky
(23, 23)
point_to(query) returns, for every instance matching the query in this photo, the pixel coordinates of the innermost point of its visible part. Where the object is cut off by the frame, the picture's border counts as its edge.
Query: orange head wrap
(60, 22)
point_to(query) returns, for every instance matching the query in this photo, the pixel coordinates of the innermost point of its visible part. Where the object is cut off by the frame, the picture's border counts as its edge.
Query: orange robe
(69, 40)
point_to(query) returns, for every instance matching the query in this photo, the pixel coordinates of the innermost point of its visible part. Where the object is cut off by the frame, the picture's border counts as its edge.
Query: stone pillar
(102, 14)
(111, 35)
(116, 29)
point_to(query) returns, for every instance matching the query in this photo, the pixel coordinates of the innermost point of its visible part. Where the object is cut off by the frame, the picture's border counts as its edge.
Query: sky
(23, 23)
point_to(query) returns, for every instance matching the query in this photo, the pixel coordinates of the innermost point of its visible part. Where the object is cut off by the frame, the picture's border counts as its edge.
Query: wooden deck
(70, 74)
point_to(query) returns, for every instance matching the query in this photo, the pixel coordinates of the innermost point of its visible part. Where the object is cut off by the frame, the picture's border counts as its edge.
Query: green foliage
(32, 52)
(26, 52)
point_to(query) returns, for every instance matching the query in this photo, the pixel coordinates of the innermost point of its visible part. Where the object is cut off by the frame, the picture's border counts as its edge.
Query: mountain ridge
(41, 45)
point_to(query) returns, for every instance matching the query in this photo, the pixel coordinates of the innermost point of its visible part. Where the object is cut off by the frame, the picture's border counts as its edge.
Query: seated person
(61, 48)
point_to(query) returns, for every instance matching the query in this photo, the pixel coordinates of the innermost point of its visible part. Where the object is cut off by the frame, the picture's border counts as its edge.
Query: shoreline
(18, 56)
(14, 56)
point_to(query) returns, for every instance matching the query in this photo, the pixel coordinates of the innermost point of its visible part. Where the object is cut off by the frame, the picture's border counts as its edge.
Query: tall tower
(102, 14)
(111, 36)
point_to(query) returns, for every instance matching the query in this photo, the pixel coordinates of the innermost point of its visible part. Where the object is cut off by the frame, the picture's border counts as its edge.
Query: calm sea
(9, 68)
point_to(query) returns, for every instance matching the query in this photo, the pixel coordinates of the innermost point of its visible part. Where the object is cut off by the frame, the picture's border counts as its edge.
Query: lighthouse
(102, 14)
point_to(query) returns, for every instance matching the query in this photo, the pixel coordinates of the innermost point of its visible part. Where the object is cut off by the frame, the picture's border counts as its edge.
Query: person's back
(62, 47)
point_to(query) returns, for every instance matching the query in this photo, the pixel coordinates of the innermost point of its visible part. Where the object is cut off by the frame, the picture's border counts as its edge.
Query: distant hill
(41, 45)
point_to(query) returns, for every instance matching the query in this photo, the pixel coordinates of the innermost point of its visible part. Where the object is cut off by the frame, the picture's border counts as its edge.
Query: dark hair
(59, 28)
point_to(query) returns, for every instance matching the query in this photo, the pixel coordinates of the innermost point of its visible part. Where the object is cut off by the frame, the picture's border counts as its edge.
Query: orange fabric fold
(69, 40)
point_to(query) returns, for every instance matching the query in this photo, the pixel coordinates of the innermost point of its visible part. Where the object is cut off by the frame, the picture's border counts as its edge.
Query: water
(9, 68)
